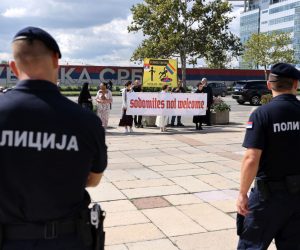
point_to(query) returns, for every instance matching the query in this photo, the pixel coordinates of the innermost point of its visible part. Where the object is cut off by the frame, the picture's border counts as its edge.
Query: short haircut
(28, 50)
(279, 83)
(164, 87)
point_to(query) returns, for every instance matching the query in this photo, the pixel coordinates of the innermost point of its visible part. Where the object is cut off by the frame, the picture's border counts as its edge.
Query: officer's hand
(242, 204)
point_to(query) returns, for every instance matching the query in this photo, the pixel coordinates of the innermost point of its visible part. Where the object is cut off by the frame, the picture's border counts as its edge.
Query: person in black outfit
(178, 89)
(210, 100)
(137, 87)
(199, 119)
(85, 98)
(272, 140)
(110, 85)
(50, 151)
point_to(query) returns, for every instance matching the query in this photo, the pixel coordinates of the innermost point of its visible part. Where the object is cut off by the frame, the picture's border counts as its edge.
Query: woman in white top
(104, 100)
(126, 120)
(162, 120)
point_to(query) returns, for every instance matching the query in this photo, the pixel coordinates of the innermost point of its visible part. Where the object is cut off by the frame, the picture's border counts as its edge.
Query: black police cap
(35, 33)
(285, 70)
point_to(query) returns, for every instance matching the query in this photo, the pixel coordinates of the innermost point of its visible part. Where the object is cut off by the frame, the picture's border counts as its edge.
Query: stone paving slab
(132, 233)
(173, 222)
(153, 191)
(219, 240)
(143, 183)
(192, 184)
(163, 244)
(183, 199)
(208, 217)
(173, 190)
(150, 202)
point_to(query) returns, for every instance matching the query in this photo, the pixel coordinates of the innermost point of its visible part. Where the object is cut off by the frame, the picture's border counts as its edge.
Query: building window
(281, 20)
(283, 8)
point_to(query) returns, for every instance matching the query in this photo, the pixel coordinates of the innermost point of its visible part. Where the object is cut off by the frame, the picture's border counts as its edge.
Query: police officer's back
(273, 141)
(50, 150)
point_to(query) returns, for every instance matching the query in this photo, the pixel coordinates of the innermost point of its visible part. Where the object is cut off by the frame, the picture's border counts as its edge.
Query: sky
(90, 32)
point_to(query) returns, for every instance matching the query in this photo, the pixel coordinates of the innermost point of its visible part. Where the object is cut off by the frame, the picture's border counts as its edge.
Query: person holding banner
(207, 89)
(199, 119)
(162, 120)
(126, 120)
(179, 89)
(137, 87)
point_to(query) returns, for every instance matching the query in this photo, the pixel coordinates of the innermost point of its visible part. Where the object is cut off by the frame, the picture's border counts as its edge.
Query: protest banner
(158, 72)
(169, 104)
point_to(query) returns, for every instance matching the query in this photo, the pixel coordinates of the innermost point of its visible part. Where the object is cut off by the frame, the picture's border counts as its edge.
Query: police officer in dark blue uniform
(272, 158)
(50, 151)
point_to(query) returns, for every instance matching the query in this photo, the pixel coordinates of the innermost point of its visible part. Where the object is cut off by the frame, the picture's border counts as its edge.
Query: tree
(265, 49)
(189, 31)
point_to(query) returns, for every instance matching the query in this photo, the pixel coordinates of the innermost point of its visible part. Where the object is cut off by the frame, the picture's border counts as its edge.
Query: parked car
(218, 88)
(250, 91)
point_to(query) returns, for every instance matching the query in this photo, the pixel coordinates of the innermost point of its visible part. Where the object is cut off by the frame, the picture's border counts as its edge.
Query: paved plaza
(173, 190)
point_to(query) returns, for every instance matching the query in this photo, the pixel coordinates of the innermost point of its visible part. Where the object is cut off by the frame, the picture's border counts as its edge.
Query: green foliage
(219, 105)
(176, 28)
(265, 49)
(266, 98)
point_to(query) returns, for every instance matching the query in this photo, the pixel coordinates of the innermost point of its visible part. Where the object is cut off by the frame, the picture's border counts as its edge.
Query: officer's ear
(269, 85)
(13, 67)
(55, 58)
(295, 84)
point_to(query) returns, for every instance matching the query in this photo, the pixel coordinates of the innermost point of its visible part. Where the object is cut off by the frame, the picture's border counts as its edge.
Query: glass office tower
(271, 16)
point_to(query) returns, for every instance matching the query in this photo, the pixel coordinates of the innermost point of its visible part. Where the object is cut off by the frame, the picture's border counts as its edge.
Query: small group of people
(163, 121)
(104, 101)
(103, 98)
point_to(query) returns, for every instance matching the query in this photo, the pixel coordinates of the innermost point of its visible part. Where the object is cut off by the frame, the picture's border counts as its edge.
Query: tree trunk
(183, 69)
(266, 74)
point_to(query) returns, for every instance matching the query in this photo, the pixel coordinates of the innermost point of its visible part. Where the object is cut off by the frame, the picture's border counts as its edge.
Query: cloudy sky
(88, 32)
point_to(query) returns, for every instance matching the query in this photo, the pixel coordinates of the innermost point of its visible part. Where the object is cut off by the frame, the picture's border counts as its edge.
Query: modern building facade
(271, 16)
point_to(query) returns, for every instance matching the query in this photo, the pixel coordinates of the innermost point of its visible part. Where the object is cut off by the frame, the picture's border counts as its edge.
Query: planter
(220, 117)
(149, 121)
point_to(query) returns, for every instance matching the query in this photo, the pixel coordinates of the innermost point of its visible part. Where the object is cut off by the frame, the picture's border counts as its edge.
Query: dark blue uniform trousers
(275, 217)
(65, 243)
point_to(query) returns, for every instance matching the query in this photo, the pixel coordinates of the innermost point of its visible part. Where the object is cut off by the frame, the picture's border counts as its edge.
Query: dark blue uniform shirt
(275, 129)
(48, 147)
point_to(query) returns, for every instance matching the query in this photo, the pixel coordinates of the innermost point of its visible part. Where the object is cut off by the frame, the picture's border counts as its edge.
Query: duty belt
(46, 231)
(290, 184)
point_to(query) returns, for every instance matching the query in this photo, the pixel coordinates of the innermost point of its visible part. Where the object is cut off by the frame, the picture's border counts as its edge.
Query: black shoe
(172, 125)
(180, 125)
(197, 127)
(200, 128)
(141, 126)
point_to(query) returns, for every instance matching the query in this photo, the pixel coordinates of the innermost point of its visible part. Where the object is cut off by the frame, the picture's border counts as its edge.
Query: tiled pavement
(173, 190)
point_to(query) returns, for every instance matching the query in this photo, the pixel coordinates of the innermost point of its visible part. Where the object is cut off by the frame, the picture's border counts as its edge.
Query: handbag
(87, 105)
